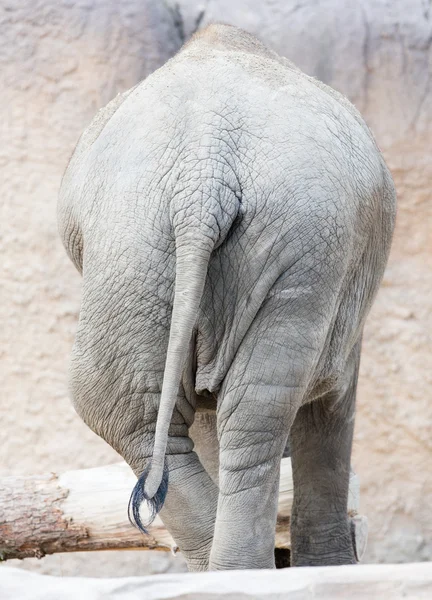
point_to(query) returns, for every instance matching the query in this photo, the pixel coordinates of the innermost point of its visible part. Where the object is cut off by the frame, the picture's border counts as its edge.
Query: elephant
(231, 218)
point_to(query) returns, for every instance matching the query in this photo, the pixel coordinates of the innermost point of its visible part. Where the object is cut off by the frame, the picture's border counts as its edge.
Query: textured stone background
(62, 59)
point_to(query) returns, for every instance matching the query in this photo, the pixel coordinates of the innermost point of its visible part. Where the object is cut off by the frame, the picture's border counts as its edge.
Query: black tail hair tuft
(139, 496)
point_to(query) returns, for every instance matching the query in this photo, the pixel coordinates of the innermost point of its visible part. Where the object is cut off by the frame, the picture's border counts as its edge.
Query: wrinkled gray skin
(232, 219)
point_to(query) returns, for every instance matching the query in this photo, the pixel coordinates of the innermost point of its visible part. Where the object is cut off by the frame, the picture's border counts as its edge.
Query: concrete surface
(62, 59)
(374, 582)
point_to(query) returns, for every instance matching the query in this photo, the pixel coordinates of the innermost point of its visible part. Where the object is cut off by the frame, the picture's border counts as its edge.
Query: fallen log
(409, 581)
(87, 510)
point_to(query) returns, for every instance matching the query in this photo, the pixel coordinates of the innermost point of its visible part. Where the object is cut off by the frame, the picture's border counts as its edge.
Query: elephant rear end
(232, 218)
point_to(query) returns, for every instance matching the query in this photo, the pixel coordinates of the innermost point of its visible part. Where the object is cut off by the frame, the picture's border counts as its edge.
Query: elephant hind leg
(265, 387)
(257, 404)
(321, 440)
(253, 427)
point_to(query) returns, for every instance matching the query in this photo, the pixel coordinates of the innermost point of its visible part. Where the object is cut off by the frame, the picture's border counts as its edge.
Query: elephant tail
(191, 272)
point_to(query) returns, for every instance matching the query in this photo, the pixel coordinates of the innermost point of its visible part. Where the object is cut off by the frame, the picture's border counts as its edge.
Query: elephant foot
(326, 545)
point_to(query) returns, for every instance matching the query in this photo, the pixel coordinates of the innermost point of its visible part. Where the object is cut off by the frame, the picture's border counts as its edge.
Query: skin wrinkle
(230, 151)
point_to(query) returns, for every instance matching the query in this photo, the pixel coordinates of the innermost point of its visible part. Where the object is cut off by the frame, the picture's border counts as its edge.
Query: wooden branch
(87, 510)
(410, 581)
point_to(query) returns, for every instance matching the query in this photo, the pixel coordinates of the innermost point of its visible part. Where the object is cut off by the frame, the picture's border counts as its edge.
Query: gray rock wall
(60, 60)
